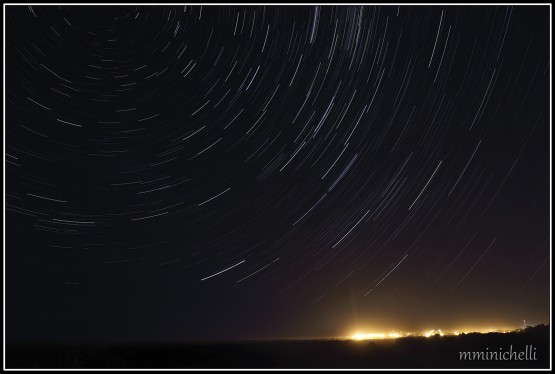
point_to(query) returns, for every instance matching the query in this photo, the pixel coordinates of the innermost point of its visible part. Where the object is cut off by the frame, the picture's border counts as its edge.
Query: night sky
(229, 172)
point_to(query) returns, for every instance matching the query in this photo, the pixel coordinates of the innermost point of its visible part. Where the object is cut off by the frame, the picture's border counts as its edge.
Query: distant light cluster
(426, 334)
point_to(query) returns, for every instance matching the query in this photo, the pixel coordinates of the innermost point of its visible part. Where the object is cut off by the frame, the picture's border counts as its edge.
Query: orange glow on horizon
(359, 336)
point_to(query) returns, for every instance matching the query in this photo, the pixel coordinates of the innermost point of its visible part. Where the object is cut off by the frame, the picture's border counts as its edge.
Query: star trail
(191, 172)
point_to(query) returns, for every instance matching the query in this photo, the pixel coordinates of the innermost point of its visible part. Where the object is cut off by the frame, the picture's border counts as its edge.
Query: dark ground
(417, 352)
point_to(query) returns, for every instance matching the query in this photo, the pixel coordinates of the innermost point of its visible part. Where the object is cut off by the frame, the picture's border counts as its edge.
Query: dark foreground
(432, 352)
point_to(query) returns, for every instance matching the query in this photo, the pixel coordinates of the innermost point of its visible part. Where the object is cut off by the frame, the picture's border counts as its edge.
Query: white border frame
(281, 4)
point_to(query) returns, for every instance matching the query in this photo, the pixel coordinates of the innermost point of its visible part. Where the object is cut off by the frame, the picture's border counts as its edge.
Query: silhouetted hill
(412, 352)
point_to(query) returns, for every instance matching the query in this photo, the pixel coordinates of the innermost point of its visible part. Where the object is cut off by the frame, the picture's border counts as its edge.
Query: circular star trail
(226, 171)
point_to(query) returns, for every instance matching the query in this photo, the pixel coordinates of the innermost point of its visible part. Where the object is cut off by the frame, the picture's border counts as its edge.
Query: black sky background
(350, 167)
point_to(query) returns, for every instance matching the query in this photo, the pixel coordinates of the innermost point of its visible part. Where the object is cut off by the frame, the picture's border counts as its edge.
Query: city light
(427, 334)
(360, 336)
